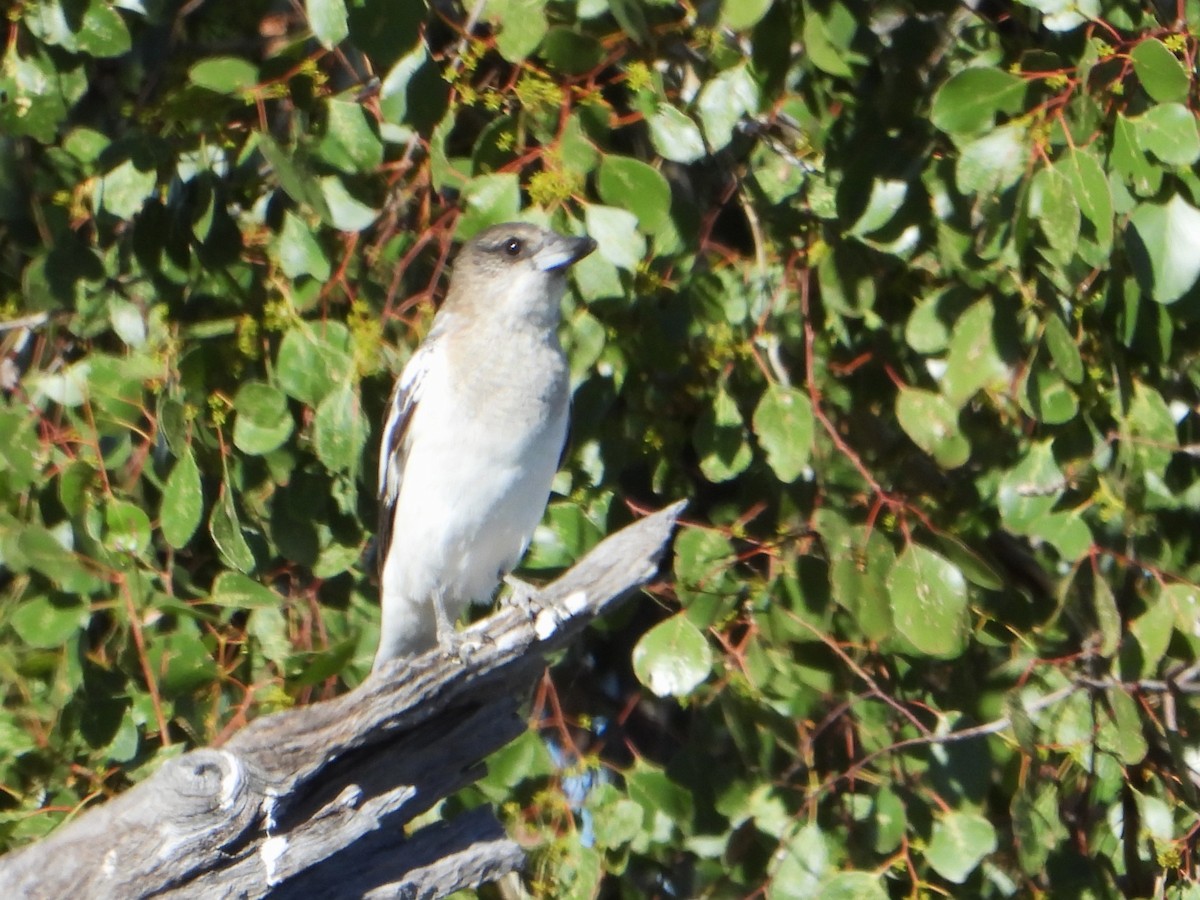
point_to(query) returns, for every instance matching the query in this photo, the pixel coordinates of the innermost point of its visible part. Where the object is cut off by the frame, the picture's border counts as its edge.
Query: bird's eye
(513, 246)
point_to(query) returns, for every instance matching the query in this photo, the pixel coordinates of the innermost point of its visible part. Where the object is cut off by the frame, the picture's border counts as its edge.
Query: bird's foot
(452, 642)
(546, 617)
(447, 635)
(522, 595)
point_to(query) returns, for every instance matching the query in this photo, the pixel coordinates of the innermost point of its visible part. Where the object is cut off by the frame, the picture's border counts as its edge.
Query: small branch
(951, 737)
(31, 321)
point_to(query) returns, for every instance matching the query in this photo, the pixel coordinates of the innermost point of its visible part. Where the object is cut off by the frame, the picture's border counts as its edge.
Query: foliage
(902, 296)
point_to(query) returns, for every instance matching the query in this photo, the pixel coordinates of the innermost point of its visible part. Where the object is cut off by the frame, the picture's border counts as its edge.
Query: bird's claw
(522, 595)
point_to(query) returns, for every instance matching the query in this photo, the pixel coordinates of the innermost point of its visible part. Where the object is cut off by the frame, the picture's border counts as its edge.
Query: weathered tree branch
(314, 802)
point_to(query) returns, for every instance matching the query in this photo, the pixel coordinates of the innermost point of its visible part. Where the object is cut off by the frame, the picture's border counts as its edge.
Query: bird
(474, 434)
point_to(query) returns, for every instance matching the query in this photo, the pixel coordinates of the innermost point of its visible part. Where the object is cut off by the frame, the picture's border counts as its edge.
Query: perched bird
(474, 432)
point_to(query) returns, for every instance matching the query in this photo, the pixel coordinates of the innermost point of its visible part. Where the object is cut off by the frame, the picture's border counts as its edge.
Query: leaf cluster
(903, 297)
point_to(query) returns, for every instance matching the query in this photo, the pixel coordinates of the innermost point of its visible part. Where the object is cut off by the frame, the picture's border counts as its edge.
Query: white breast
(476, 479)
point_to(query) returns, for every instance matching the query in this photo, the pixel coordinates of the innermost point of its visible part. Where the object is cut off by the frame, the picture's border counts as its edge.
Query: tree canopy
(901, 296)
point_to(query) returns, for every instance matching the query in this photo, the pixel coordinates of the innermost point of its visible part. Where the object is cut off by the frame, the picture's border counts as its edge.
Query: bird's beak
(563, 251)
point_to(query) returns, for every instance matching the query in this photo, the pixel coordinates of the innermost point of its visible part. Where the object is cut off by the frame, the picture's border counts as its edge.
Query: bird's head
(515, 269)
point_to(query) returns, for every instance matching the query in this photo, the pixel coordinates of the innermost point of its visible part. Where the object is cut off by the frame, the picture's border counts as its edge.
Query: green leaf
(932, 422)
(665, 804)
(313, 359)
(226, 532)
(1047, 397)
(1160, 71)
(929, 602)
(673, 658)
(224, 74)
(127, 322)
(263, 420)
(928, 328)
(295, 176)
(1066, 531)
(1184, 599)
(970, 101)
(126, 528)
(267, 625)
(1150, 435)
(329, 22)
(1152, 630)
(724, 102)
(976, 569)
(616, 234)
(861, 561)
(1030, 489)
(413, 95)
(340, 430)
(92, 27)
(1037, 825)
(889, 821)
(617, 822)
(1065, 15)
(49, 622)
(1169, 132)
(577, 869)
(42, 550)
(675, 136)
(1108, 617)
(887, 198)
(630, 17)
(852, 886)
(1164, 246)
(1131, 162)
(522, 26)
(299, 251)
(182, 659)
(631, 184)
(349, 143)
(702, 557)
(21, 454)
(974, 363)
(783, 424)
(1052, 202)
(571, 52)
(740, 15)
(40, 93)
(995, 162)
(960, 842)
(182, 502)
(799, 865)
(829, 38)
(720, 439)
(123, 747)
(343, 210)
(103, 32)
(1125, 732)
(1063, 349)
(571, 533)
(122, 191)
(1091, 190)
(233, 590)
(488, 200)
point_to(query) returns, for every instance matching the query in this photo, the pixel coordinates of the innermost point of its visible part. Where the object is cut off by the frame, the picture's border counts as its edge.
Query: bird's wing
(393, 451)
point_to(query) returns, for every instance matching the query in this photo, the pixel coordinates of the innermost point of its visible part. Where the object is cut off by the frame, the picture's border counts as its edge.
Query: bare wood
(314, 802)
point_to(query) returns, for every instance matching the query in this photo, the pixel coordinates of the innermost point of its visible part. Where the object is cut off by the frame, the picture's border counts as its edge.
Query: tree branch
(315, 801)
